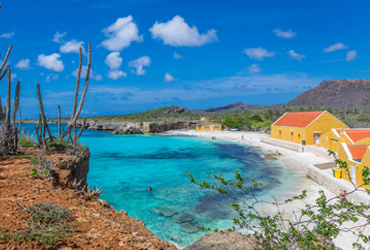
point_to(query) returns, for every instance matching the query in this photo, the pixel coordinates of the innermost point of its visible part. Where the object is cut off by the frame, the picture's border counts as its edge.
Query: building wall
(323, 124)
(365, 141)
(207, 127)
(289, 134)
(331, 141)
(359, 166)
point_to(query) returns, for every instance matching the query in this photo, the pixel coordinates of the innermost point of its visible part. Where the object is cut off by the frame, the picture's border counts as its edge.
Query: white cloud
(335, 47)
(23, 64)
(93, 75)
(169, 78)
(244, 87)
(254, 68)
(51, 62)
(115, 74)
(177, 32)
(295, 56)
(58, 36)
(258, 53)
(13, 76)
(113, 60)
(138, 64)
(7, 35)
(351, 55)
(72, 46)
(177, 56)
(121, 34)
(285, 34)
(51, 77)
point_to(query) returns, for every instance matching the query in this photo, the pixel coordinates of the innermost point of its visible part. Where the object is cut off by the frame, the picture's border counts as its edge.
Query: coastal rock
(191, 227)
(181, 218)
(223, 241)
(164, 211)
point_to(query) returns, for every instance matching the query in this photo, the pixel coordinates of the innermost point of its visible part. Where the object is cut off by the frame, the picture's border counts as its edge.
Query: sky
(197, 54)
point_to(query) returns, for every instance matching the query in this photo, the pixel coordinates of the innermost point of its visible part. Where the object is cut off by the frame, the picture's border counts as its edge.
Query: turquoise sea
(125, 166)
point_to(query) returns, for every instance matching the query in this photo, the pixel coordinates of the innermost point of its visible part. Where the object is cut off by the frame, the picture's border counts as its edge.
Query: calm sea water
(125, 166)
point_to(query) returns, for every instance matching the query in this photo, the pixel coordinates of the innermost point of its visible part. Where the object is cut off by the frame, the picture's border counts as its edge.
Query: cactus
(59, 124)
(16, 103)
(42, 112)
(82, 128)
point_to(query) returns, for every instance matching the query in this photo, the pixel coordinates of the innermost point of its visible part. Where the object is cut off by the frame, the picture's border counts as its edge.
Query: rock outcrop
(223, 241)
(138, 127)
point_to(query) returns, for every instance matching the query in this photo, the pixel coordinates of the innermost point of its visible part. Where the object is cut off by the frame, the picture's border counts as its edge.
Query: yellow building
(334, 137)
(209, 126)
(357, 157)
(305, 127)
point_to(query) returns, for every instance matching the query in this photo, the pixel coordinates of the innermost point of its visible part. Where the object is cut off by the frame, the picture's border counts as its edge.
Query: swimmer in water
(150, 189)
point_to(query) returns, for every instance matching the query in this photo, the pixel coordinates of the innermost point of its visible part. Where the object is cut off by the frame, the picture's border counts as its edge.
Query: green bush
(47, 223)
(26, 143)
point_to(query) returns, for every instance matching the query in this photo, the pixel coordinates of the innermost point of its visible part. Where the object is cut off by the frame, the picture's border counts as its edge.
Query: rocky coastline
(138, 127)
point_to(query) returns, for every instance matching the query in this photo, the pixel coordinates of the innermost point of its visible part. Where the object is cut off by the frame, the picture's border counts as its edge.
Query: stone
(190, 227)
(181, 218)
(164, 211)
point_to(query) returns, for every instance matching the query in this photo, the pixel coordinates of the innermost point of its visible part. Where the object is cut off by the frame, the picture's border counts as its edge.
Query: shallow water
(125, 166)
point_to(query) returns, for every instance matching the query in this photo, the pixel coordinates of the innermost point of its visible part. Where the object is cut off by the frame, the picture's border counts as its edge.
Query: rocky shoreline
(138, 127)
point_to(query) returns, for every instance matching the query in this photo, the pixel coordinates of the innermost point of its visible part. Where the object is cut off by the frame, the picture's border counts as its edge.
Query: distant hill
(231, 108)
(336, 93)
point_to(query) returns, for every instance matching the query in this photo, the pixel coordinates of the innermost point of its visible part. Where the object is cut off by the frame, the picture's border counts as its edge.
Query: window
(199, 127)
(217, 126)
(206, 127)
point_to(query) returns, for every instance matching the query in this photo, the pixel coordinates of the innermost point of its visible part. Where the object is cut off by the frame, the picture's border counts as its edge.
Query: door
(353, 174)
(316, 139)
(211, 127)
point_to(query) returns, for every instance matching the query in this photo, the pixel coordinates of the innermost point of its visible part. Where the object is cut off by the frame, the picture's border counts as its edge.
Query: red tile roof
(298, 119)
(205, 123)
(356, 134)
(357, 151)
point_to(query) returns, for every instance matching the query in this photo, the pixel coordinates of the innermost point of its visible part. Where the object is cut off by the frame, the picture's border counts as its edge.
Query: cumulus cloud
(177, 32)
(254, 68)
(295, 56)
(169, 78)
(334, 47)
(177, 56)
(258, 53)
(51, 77)
(58, 36)
(13, 76)
(113, 60)
(72, 46)
(351, 55)
(93, 75)
(115, 74)
(285, 34)
(7, 35)
(138, 65)
(23, 64)
(51, 62)
(121, 34)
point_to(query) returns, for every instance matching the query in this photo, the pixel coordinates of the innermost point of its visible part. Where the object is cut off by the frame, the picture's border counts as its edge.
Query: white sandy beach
(297, 162)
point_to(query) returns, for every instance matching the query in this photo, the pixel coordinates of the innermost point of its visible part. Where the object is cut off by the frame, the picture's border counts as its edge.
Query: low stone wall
(336, 185)
(284, 144)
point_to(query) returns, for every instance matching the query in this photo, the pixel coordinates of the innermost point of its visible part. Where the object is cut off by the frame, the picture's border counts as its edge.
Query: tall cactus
(42, 111)
(59, 124)
(16, 103)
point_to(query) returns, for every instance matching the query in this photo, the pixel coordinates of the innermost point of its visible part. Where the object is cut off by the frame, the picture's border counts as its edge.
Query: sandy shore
(294, 161)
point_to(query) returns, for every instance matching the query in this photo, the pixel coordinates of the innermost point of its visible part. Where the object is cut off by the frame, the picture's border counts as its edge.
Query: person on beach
(242, 137)
(150, 189)
(343, 196)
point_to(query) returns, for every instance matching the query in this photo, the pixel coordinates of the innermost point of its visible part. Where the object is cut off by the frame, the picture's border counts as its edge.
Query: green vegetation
(46, 223)
(44, 167)
(312, 227)
(24, 143)
(22, 157)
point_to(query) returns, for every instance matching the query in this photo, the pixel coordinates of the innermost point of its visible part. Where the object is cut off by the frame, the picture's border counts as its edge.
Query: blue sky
(197, 54)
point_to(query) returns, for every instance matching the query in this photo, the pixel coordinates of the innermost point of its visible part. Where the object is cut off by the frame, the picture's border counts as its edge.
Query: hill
(336, 93)
(231, 108)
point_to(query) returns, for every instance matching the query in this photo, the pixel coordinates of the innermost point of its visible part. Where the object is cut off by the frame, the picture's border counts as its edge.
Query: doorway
(316, 139)
(353, 174)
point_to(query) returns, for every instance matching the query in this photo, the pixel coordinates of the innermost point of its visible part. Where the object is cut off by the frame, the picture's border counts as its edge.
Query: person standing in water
(150, 189)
